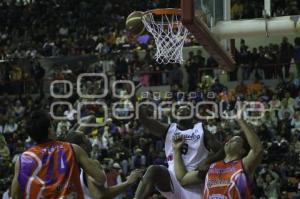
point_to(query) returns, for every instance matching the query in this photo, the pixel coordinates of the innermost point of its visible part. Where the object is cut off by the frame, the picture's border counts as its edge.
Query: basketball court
(106, 95)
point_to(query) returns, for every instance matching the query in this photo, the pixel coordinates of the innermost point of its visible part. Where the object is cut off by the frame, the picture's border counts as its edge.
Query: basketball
(134, 23)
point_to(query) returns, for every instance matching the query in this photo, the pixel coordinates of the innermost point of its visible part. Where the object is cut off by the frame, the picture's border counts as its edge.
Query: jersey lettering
(217, 196)
(227, 180)
(49, 161)
(193, 150)
(57, 175)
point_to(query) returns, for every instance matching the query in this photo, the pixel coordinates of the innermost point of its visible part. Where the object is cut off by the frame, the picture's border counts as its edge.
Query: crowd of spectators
(34, 29)
(263, 63)
(268, 62)
(61, 27)
(123, 145)
(15, 78)
(242, 9)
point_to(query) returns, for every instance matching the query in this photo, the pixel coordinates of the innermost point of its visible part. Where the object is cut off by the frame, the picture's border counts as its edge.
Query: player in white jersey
(196, 156)
(89, 187)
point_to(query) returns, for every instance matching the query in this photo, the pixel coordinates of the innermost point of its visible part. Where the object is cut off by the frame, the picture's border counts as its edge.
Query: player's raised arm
(184, 177)
(155, 127)
(254, 157)
(91, 119)
(91, 167)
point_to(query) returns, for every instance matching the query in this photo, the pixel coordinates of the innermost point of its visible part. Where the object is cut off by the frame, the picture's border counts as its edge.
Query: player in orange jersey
(90, 189)
(51, 169)
(228, 178)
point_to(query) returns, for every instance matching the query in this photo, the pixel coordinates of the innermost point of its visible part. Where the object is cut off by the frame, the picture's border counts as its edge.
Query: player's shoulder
(171, 126)
(28, 158)
(218, 164)
(199, 125)
(213, 165)
(35, 149)
(62, 144)
(77, 150)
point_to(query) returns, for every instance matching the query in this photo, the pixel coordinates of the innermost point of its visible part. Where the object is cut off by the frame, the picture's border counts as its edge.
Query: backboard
(213, 10)
(201, 15)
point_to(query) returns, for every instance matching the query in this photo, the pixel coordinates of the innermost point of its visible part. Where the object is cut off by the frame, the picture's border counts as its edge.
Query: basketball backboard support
(198, 16)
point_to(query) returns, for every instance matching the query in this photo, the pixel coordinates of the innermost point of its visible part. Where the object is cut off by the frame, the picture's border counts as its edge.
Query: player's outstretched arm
(254, 157)
(155, 127)
(15, 187)
(102, 192)
(91, 167)
(184, 177)
(91, 119)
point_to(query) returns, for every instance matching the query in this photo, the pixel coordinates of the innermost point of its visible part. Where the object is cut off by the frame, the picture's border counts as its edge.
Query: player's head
(80, 139)
(237, 146)
(38, 126)
(182, 112)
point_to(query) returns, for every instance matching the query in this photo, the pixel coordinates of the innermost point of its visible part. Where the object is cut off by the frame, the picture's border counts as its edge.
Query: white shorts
(178, 192)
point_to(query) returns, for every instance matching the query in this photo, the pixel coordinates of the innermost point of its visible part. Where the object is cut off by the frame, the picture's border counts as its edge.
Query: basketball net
(169, 35)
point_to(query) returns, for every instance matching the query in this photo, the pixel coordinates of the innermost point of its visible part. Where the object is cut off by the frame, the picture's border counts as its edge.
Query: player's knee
(153, 171)
(183, 183)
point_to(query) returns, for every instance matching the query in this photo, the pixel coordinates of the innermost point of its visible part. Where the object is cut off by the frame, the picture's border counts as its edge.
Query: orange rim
(165, 11)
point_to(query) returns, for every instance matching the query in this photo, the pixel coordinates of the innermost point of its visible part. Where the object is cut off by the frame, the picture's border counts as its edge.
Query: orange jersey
(227, 181)
(50, 171)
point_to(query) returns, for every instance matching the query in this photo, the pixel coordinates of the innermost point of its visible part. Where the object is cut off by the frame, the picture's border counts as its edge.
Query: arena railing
(156, 78)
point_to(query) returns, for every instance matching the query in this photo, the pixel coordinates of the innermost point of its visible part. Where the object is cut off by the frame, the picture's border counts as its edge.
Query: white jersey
(85, 189)
(86, 192)
(6, 195)
(194, 150)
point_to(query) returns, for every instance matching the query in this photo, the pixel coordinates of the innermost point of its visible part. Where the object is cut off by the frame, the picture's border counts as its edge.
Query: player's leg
(155, 177)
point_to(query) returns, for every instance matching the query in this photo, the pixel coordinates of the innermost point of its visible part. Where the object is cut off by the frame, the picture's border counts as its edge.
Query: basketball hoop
(168, 32)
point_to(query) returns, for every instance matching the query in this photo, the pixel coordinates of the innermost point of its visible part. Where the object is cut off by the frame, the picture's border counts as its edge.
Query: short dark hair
(38, 125)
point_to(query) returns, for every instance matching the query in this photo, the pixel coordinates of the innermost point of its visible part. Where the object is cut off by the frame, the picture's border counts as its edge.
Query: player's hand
(140, 85)
(90, 119)
(178, 141)
(135, 176)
